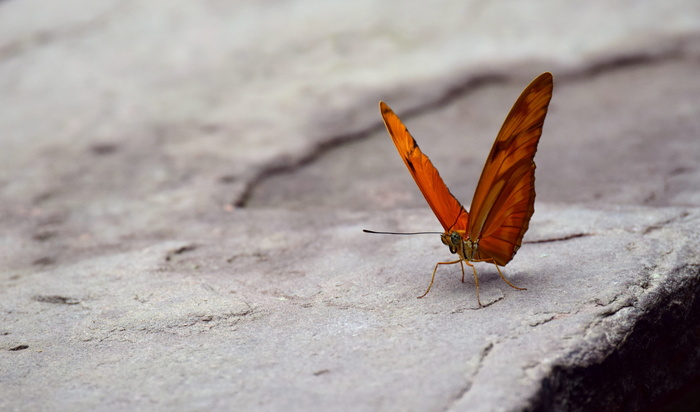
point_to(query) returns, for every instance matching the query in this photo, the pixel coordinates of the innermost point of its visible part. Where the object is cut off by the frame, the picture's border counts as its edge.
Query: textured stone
(183, 188)
(267, 313)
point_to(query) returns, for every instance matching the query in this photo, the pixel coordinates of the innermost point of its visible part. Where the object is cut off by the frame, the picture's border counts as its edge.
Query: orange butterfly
(505, 195)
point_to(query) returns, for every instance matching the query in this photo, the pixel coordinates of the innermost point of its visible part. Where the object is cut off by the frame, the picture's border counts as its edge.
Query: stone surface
(183, 189)
(260, 314)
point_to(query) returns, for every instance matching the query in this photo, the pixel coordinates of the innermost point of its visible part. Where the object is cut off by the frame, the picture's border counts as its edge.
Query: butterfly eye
(453, 240)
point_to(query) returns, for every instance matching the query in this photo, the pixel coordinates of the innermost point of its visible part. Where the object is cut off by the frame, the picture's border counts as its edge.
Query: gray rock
(268, 314)
(183, 188)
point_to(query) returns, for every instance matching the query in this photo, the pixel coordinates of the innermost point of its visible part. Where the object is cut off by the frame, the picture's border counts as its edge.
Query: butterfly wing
(446, 207)
(504, 200)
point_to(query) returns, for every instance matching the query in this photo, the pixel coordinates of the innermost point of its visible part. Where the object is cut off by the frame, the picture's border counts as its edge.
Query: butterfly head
(453, 240)
(456, 241)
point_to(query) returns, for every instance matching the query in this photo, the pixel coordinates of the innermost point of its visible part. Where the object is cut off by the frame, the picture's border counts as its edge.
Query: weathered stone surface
(265, 313)
(150, 260)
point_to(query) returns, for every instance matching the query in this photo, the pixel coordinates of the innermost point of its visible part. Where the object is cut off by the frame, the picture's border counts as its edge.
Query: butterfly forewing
(504, 199)
(446, 207)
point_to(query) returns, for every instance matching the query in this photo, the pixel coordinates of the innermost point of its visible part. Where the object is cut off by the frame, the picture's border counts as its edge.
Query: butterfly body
(504, 198)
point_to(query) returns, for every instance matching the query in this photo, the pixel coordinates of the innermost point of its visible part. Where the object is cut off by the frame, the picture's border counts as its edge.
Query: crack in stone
(632, 59)
(287, 164)
(661, 225)
(559, 239)
(470, 380)
(180, 250)
(468, 85)
(56, 299)
(548, 318)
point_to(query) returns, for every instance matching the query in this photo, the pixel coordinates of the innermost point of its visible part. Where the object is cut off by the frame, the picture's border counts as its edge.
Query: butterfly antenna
(401, 233)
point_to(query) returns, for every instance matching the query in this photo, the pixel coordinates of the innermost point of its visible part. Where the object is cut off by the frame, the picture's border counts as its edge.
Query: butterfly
(504, 200)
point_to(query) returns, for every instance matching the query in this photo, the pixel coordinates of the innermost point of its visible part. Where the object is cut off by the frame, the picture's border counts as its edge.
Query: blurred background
(137, 108)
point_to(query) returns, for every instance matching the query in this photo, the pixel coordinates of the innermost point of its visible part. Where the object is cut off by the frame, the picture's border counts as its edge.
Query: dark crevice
(286, 164)
(656, 360)
(558, 239)
(178, 251)
(463, 88)
(56, 299)
(626, 61)
(665, 223)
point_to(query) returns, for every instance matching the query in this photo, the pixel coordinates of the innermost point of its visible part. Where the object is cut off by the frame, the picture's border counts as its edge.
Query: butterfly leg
(506, 280)
(461, 263)
(476, 282)
(434, 271)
